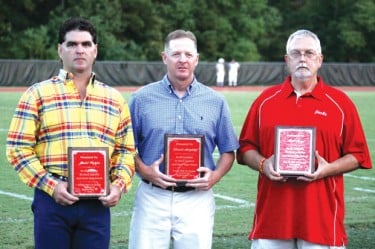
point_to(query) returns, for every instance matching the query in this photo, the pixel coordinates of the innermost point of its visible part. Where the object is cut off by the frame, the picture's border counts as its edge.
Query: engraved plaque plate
(88, 171)
(294, 150)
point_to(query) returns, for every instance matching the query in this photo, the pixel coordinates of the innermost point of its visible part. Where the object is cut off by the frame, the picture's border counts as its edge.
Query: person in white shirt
(233, 72)
(220, 72)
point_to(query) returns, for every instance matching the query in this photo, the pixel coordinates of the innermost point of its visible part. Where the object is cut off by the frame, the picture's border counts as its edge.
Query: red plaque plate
(183, 155)
(294, 150)
(88, 171)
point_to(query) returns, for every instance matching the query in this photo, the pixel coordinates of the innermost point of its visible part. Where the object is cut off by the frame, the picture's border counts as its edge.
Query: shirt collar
(288, 90)
(167, 84)
(65, 76)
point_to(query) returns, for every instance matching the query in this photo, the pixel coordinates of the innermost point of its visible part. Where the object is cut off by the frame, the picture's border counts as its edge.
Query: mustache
(302, 65)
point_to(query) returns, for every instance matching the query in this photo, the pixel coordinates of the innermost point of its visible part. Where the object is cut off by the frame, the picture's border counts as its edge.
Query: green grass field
(235, 194)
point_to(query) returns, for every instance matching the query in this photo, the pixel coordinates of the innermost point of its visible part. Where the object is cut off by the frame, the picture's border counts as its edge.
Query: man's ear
(164, 57)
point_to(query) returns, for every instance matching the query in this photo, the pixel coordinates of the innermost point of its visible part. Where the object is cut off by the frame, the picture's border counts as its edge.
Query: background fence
(126, 73)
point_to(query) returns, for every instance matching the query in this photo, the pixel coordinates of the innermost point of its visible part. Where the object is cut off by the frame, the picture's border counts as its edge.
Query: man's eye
(87, 44)
(310, 53)
(71, 44)
(295, 53)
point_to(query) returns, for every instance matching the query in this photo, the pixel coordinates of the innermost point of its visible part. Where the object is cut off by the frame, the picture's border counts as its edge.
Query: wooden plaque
(183, 155)
(88, 171)
(294, 150)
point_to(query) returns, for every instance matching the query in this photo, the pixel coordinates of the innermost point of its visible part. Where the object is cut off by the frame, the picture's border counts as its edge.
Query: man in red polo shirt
(305, 211)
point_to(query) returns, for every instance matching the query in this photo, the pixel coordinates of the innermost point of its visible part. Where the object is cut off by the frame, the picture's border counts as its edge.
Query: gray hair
(303, 33)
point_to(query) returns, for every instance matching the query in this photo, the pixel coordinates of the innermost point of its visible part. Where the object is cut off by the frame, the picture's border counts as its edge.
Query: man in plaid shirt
(72, 109)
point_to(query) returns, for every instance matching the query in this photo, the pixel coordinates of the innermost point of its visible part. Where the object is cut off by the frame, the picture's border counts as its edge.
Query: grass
(233, 218)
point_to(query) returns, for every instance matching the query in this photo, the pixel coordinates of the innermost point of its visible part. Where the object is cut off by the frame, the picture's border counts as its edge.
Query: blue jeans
(83, 225)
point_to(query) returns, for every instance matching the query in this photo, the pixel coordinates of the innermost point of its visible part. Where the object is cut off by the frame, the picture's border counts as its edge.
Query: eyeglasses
(295, 54)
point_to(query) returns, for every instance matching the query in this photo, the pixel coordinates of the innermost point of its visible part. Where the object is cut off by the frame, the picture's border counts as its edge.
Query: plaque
(88, 171)
(183, 155)
(294, 150)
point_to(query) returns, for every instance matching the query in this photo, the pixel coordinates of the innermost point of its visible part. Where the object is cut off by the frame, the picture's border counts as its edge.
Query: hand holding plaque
(183, 155)
(294, 150)
(88, 171)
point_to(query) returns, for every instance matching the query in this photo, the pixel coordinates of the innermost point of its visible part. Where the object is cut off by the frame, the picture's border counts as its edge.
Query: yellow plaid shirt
(50, 117)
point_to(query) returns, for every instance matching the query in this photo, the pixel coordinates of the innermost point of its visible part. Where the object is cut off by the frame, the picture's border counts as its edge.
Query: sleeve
(134, 116)
(21, 141)
(249, 136)
(354, 137)
(122, 159)
(227, 140)
(250, 130)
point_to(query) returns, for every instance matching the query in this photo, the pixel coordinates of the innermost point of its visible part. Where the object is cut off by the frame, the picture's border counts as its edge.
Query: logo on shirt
(322, 113)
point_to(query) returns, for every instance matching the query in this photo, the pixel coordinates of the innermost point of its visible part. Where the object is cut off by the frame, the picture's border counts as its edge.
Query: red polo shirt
(295, 209)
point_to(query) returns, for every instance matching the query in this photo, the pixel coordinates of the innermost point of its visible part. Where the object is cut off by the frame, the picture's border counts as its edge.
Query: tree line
(247, 30)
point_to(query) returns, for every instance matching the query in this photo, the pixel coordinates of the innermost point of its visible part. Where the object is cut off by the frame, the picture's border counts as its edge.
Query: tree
(224, 28)
(345, 28)
(247, 30)
(19, 18)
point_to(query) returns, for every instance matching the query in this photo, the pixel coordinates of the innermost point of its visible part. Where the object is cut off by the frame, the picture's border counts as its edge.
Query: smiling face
(303, 59)
(78, 51)
(181, 58)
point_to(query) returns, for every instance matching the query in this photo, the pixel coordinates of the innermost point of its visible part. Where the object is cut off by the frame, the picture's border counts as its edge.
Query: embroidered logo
(322, 113)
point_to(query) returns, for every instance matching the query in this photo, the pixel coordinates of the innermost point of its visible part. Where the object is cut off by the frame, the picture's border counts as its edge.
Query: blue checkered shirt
(156, 110)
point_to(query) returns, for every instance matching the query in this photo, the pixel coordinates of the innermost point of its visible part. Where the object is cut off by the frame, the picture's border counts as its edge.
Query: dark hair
(76, 23)
(179, 33)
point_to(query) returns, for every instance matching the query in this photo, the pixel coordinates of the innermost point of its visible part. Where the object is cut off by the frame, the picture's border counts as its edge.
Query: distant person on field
(167, 214)
(233, 72)
(304, 211)
(220, 72)
(72, 109)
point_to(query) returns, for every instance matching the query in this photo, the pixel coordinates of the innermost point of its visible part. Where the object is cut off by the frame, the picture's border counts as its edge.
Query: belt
(59, 177)
(179, 189)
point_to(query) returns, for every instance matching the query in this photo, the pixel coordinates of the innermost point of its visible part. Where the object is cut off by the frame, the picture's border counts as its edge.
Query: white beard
(302, 72)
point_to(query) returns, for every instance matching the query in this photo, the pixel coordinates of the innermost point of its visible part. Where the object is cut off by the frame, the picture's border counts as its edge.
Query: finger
(160, 160)
(317, 153)
(319, 158)
(69, 198)
(203, 169)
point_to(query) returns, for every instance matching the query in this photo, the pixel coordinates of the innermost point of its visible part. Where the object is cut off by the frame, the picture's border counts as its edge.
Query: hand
(113, 198)
(203, 183)
(269, 171)
(153, 175)
(319, 173)
(62, 196)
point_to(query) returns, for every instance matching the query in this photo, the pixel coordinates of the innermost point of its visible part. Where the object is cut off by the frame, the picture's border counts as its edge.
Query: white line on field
(242, 203)
(11, 220)
(364, 190)
(361, 177)
(228, 198)
(23, 197)
(121, 214)
(357, 198)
